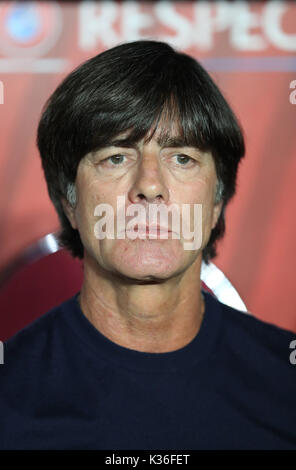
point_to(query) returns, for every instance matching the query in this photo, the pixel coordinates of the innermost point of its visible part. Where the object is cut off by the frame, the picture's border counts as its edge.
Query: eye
(114, 160)
(183, 160)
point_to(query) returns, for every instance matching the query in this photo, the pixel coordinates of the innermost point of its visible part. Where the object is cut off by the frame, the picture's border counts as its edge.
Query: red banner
(249, 49)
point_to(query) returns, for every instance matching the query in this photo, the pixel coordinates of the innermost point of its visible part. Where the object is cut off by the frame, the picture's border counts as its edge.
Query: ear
(216, 213)
(70, 212)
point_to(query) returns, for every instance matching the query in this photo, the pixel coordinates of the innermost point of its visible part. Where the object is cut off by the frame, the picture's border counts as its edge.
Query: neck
(151, 317)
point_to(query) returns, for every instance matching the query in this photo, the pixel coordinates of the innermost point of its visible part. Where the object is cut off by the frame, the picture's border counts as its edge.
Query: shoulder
(254, 327)
(252, 341)
(29, 342)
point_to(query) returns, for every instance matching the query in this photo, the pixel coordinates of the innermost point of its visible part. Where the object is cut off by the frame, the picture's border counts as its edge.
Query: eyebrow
(123, 142)
(163, 141)
(177, 141)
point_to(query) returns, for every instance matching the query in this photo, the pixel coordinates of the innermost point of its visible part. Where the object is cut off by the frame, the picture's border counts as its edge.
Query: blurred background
(248, 48)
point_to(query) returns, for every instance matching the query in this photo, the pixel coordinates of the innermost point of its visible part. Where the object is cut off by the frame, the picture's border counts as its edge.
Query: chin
(148, 271)
(146, 261)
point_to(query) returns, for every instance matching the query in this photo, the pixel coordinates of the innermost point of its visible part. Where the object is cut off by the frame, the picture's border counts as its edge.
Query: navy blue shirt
(64, 385)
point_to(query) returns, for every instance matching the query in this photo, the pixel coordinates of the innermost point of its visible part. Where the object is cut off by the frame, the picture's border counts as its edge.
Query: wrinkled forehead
(165, 132)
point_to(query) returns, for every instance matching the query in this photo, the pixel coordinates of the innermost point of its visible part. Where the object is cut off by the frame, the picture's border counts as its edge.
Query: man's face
(154, 172)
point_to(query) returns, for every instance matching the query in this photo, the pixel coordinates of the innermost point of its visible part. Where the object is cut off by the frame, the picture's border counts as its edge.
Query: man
(141, 358)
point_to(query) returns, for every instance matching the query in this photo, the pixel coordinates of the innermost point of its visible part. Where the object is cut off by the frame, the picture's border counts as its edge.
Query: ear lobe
(216, 213)
(69, 212)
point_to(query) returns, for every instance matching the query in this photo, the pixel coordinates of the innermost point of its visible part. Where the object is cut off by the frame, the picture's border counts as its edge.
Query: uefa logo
(29, 29)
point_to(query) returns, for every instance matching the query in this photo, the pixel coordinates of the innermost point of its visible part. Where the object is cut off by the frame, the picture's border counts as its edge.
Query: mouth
(154, 230)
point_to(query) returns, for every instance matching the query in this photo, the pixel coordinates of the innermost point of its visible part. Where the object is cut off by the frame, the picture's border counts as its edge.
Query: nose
(149, 185)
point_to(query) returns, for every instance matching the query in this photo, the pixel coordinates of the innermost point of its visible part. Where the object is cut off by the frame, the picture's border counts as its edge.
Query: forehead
(166, 134)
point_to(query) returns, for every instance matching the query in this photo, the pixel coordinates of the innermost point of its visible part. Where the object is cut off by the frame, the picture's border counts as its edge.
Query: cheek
(201, 192)
(84, 213)
(196, 191)
(90, 194)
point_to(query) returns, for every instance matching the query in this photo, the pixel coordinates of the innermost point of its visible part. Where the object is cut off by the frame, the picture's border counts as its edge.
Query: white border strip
(33, 65)
(216, 280)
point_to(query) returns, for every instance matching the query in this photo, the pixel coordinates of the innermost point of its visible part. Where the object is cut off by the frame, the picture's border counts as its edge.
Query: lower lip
(147, 232)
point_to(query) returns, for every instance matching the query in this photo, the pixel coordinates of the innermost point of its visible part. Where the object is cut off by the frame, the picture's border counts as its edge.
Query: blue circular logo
(23, 22)
(29, 29)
